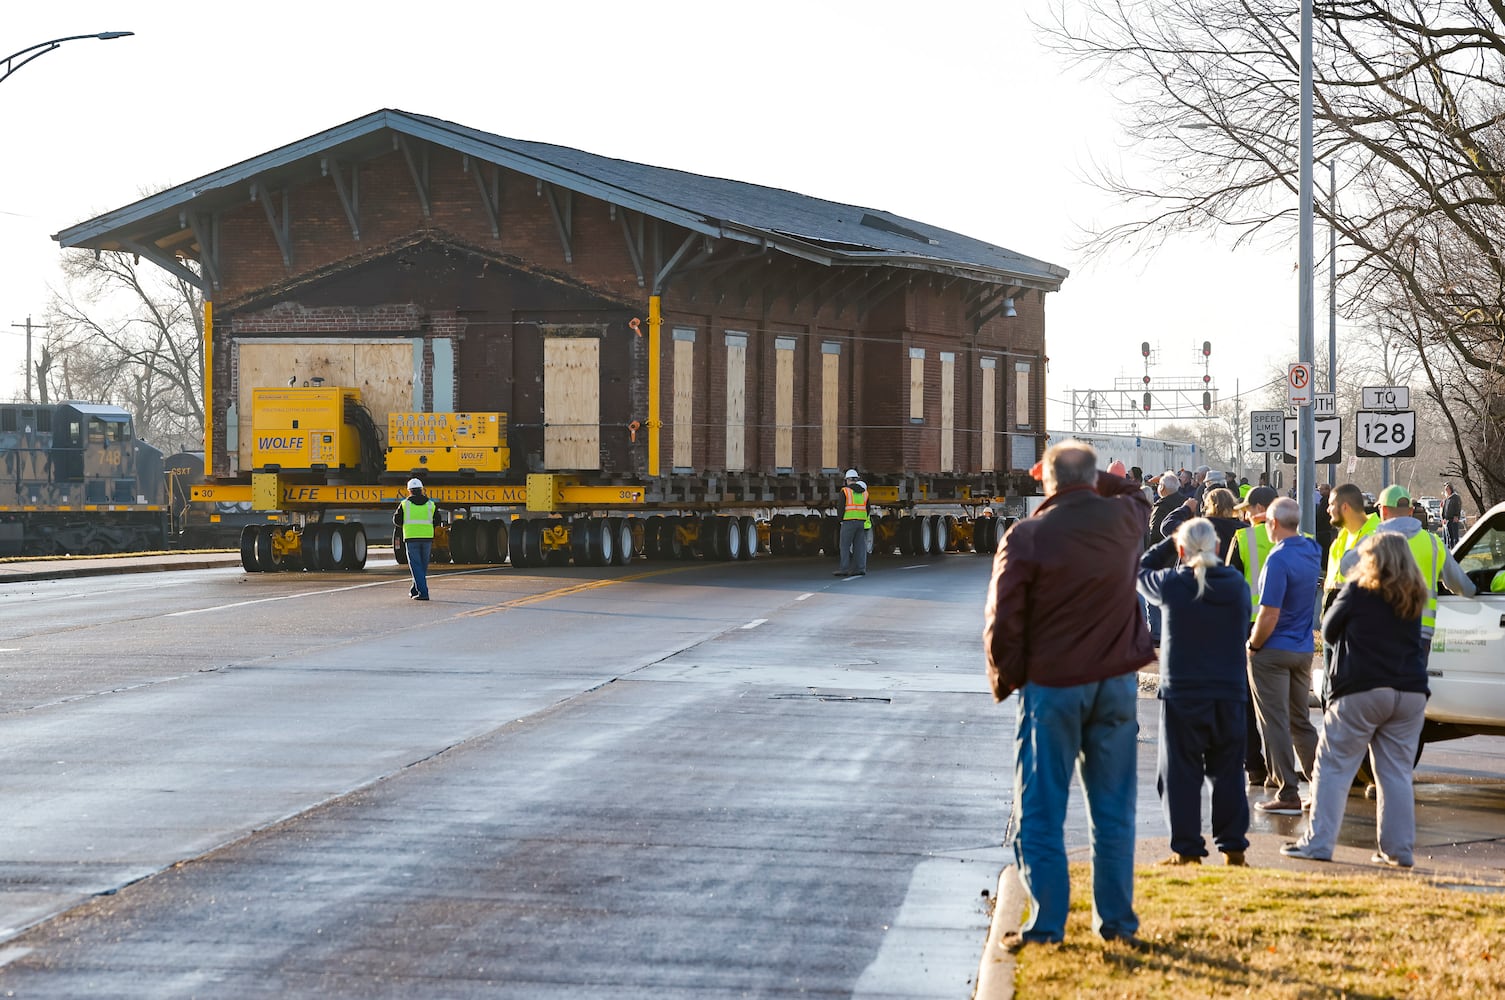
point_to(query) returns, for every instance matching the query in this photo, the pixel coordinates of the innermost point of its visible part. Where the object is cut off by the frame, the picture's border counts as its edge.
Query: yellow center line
(577, 588)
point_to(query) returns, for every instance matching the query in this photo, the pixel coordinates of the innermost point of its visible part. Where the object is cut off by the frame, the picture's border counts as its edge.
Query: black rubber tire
(670, 542)
(354, 536)
(750, 540)
(460, 535)
(729, 538)
(483, 541)
(585, 536)
(830, 535)
(533, 529)
(499, 541)
(266, 555)
(399, 550)
(248, 548)
(516, 543)
(652, 532)
(953, 540)
(776, 534)
(906, 536)
(621, 531)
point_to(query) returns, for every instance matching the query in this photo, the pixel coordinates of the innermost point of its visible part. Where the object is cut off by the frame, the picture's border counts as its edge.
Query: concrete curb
(995, 975)
(85, 566)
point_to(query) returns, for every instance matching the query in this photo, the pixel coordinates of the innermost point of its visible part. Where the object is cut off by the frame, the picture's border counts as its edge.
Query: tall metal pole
(1332, 299)
(1306, 464)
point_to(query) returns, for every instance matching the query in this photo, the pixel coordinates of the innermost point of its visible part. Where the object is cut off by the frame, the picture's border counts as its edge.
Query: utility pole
(28, 327)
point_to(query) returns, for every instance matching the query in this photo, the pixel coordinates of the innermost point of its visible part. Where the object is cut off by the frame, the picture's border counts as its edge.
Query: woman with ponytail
(1204, 607)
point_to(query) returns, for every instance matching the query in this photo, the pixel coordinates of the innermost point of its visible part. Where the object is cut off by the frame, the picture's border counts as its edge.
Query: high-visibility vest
(1254, 545)
(418, 520)
(1342, 544)
(1244, 490)
(1427, 550)
(856, 507)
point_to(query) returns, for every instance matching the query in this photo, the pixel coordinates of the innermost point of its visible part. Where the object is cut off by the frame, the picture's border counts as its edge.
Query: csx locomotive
(77, 481)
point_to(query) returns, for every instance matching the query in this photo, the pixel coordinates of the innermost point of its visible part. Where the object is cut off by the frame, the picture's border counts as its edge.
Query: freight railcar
(77, 481)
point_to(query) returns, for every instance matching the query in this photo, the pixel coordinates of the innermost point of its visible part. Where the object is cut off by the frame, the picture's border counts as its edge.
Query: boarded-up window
(830, 402)
(783, 403)
(948, 411)
(916, 385)
(381, 369)
(1021, 393)
(572, 403)
(736, 401)
(684, 400)
(989, 391)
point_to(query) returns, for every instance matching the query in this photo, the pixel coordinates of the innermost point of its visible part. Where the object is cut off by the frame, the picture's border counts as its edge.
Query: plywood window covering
(571, 403)
(783, 403)
(916, 385)
(736, 401)
(1021, 393)
(948, 411)
(684, 400)
(830, 402)
(989, 400)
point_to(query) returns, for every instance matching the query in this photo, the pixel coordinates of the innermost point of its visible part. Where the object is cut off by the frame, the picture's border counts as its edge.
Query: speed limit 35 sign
(1383, 434)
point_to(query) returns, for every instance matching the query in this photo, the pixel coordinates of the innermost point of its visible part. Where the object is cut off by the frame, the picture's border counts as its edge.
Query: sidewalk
(71, 567)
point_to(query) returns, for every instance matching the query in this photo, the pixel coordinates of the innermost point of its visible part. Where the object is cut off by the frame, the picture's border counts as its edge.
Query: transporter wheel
(707, 544)
(952, 536)
(266, 552)
(248, 549)
(729, 538)
(315, 545)
(533, 555)
(776, 535)
(924, 536)
(600, 545)
(621, 527)
(652, 530)
(907, 536)
(749, 528)
(399, 550)
(501, 540)
(671, 541)
(460, 535)
(830, 535)
(484, 541)
(516, 536)
(585, 541)
(353, 545)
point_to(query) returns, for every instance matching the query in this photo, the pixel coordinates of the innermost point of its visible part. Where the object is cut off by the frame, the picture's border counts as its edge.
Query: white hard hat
(851, 473)
(415, 484)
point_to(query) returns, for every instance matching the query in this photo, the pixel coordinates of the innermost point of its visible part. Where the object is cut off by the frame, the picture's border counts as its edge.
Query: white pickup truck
(1466, 671)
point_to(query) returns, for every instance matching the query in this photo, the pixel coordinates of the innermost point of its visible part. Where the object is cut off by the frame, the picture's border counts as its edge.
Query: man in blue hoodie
(1280, 655)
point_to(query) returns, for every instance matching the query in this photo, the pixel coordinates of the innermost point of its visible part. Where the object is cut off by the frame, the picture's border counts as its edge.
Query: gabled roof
(161, 226)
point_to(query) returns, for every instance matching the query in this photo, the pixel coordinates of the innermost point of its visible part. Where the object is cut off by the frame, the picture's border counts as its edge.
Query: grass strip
(1215, 931)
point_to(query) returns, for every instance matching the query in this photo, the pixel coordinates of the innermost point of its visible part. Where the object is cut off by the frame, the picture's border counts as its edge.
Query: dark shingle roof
(822, 230)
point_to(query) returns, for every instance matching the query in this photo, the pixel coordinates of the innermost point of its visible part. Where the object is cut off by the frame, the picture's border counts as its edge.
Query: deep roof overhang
(167, 227)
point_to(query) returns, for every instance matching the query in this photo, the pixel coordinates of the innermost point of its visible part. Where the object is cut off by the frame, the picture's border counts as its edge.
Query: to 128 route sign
(1386, 435)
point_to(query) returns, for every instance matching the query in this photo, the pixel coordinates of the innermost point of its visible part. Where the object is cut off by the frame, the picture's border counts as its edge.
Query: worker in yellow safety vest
(1345, 508)
(856, 519)
(416, 516)
(1433, 557)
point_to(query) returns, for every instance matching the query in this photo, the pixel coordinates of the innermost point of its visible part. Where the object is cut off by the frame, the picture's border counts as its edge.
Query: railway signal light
(1147, 402)
(1206, 402)
(1206, 348)
(1144, 348)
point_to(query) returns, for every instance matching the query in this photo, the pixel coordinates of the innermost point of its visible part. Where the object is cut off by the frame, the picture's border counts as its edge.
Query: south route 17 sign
(1328, 447)
(1382, 434)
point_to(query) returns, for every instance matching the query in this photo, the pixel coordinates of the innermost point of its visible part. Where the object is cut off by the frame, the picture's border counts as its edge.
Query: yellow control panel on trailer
(447, 442)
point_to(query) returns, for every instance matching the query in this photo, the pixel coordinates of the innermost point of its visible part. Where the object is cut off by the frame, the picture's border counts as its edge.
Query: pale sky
(950, 112)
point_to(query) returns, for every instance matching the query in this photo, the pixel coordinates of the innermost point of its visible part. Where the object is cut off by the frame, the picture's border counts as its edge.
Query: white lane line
(755, 623)
(917, 566)
(804, 597)
(284, 597)
(10, 649)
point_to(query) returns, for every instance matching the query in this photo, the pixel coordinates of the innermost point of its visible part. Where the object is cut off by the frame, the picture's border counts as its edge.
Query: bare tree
(1410, 104)
(134, 337)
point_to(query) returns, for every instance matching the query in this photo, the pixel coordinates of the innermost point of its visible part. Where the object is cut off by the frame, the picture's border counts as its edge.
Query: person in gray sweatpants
(856, 519)
(1376, 696)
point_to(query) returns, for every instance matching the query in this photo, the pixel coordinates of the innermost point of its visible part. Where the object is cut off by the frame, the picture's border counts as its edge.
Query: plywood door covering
(736, 403)
(783, 406)
(989, 390)
(381, 369)
(684, 403)
(572, 403)
(948, 412)
(830, 402)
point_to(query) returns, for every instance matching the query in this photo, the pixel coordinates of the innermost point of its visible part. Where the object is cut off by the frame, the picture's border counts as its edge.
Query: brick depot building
(710, 338)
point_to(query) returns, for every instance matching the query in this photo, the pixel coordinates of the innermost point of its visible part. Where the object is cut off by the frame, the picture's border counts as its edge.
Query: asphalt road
(703, 780)
(709, 781)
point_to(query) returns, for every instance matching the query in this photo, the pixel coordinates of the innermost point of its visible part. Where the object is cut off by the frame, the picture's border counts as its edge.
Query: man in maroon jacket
(1063, 628)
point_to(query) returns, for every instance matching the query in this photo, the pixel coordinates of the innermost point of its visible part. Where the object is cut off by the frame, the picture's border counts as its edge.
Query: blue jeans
(1152, 619)
(1091, 728)
(419, 550)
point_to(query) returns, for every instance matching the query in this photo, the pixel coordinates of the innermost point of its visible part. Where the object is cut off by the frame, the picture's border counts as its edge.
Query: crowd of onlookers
(1216, 580)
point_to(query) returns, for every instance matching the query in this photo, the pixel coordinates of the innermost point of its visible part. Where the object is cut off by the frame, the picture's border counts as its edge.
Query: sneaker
(1370, 792)
(1279, 807)
(1301, 851)
(1257, 780)
(421, 597)
(1235, 859)
(838, 574)
(1381, 858)
(1306, 803)
(1180, 859)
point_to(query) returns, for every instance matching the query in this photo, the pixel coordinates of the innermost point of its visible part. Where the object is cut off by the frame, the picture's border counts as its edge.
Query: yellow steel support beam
(655, 325)
(208, 387)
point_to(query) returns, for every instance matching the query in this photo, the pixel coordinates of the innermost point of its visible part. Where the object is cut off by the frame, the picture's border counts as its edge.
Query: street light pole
(1332, 299)
(1306, 467)
(42, 48)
